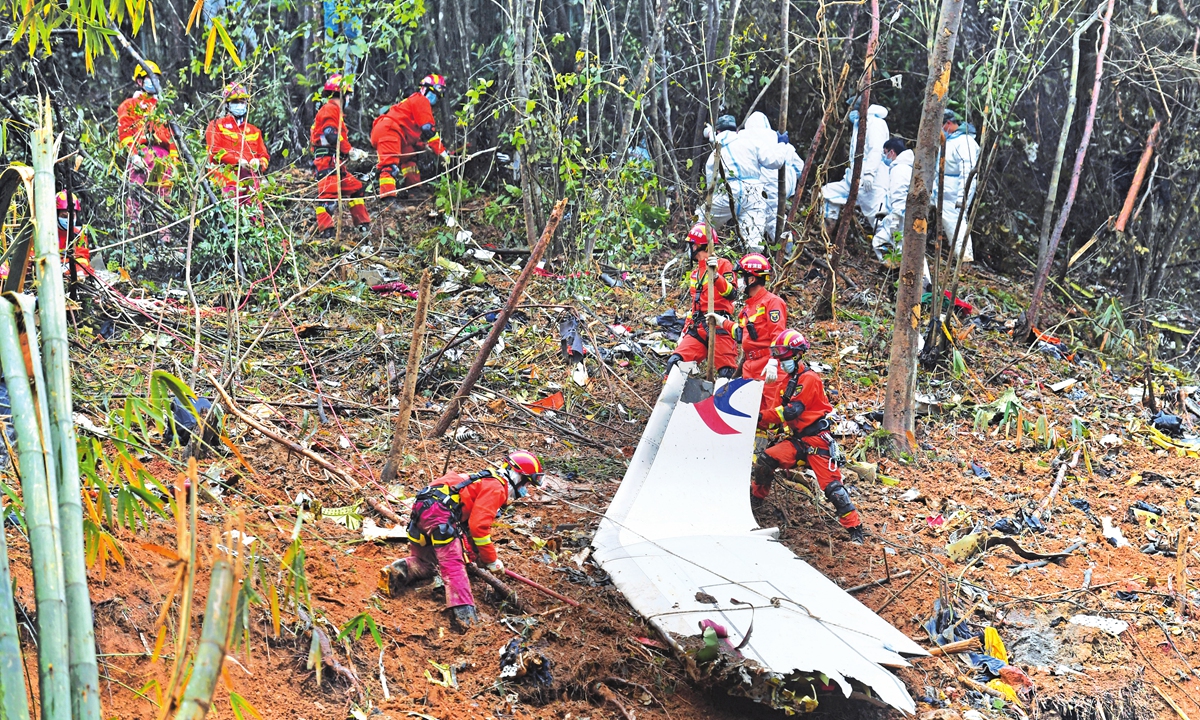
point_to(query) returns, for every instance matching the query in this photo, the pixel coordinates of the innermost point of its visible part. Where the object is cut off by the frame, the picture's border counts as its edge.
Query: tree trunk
(707, 113)
(826, 302)
(1021, 332)
(1139, 175)
(902, 369)
(635, 92)
(784, 93)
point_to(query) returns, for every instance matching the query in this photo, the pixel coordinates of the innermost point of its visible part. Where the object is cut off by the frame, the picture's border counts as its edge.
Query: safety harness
(449, 497)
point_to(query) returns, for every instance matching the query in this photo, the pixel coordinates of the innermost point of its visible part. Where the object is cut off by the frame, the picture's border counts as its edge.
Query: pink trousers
(449, 558)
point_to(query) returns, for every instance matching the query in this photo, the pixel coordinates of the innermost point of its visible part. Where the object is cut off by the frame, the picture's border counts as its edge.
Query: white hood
(758, 121)
(904, 158)
(878, 111)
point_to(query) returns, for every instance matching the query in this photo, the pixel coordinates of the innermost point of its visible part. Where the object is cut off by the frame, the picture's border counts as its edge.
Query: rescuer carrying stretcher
(451, 525)
(800, 416)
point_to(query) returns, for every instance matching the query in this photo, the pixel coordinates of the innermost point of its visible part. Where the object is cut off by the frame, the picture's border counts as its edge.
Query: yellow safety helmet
(139, 72)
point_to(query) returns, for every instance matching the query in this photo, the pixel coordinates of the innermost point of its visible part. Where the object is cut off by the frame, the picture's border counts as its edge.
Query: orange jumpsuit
(329, 141)
(229, 143)
(406, 129)
(83, 255)
(436, 542)
(801, 415)
(693, 344)
(142, 132)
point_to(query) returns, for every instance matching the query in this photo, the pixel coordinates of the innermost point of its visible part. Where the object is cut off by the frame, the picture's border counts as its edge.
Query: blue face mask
(789, 365)
(853, 116)
(887, 161)
(238, 109)
(150, 85)
(63, 222)
(431, 96)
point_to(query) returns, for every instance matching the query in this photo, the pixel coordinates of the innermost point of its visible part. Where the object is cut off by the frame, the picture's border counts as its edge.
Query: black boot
(856, 535)
(394, 577)
(762, 477)
(465, 616)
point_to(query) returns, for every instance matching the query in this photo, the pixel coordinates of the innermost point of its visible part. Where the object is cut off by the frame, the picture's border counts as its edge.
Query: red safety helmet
(337, 83)
(755, 265)
(789, 343)
(236, 91)
(698, 235)
(60, 201)
(526, 464)
(436, 83)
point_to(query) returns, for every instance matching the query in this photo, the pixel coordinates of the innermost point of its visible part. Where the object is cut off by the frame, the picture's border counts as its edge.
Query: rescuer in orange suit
(759, 322)
(451, 519)
(146, 137)
(404, 131)
(83, 255)
(236, 151)
(331, 151)
(693, 344)
(801, 416)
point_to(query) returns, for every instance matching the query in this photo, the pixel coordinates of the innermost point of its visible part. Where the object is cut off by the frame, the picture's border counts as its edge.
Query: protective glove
(782, 137)
(771, 371)
(357, 155)
(708, 132)
(138, 162)
(445, 154)
(495, 567)
(247, 164)
(852, 116)
(719, 321)
(712, 262)
(259, 164)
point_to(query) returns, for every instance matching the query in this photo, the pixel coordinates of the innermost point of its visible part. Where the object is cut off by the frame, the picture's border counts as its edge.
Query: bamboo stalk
(81, 634)
(214, 639)
(41, 517)
(13, 704)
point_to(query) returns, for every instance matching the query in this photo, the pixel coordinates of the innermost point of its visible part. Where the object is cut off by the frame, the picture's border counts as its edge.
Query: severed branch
(293, 446)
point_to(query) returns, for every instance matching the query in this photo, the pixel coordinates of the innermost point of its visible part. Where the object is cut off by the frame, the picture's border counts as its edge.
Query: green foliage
(242, 708)
(359, 623)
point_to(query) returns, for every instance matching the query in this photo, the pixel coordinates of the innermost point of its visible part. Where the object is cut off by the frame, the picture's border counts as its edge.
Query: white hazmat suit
(745, 156)
(870, 194)
(962, 154)
(758, 123)
(898, 179)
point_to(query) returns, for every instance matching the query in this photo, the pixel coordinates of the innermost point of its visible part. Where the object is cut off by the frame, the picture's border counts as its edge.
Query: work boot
(856, 535)
(394, 577)
(464, 616)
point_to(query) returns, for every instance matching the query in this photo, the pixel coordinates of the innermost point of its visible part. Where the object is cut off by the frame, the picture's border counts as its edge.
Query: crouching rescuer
(800, 416)
(451, 525)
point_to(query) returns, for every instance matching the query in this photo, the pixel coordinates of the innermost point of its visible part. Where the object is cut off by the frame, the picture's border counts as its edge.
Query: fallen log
(384, 510)
(506, 592)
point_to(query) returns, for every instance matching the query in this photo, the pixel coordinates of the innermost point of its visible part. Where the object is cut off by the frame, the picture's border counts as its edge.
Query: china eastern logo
(710, 409)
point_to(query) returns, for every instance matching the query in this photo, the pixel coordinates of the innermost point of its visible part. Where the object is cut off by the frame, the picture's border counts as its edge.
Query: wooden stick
(880, 581)
(1062, 473)
(294, 447)
(400, 436)
(610, 697)
(907, 585)
(955, 647)
(712, 324)
(1181, 571)
(1167, 699)
(493, 337)
(384, 510)
(541, 588)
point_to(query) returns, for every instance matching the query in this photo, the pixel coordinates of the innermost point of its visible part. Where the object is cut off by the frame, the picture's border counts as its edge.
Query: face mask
(789, 365)
(150, 85)
(238, 109)
(742, 287)
(887, 161)
(853, 116)
(431, 96)
(64, 222)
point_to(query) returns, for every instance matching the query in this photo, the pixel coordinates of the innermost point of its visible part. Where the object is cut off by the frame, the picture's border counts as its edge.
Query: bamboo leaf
(192, 17)
(227, 42)
(209, 47)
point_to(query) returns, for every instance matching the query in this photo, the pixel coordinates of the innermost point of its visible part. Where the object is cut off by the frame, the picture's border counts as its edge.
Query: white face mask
(238, 109)
(741, 286)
